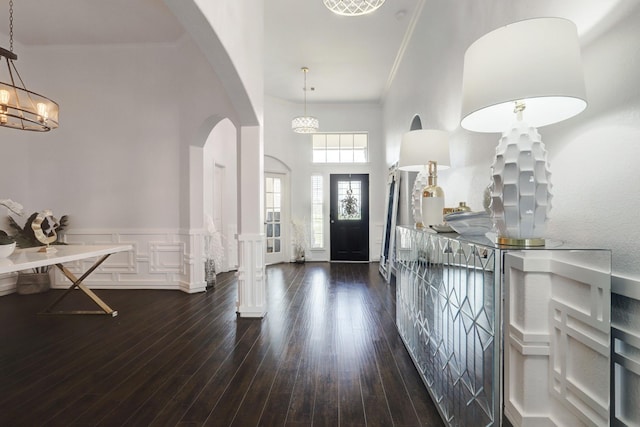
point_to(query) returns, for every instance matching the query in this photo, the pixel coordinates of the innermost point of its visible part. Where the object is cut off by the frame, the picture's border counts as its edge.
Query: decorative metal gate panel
(448, 311)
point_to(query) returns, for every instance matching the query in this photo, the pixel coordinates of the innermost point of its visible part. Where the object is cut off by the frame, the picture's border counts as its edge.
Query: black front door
(349, 217)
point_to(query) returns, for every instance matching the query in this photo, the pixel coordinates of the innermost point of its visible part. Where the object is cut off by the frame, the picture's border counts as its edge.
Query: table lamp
(517, 78)
(425, 151)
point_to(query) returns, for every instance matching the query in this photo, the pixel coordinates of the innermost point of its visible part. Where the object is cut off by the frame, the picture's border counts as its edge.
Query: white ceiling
(71, 22)
(351, 59)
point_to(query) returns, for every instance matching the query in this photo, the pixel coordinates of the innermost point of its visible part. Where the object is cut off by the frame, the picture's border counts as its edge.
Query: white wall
(295, 151)
(126, 111)
(220, 151)
(119, 164)
(590, 155)
(112, 161)
(239, 26)
(593, 156)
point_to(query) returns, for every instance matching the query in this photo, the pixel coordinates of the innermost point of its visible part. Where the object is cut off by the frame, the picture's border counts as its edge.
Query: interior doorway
(349, 217)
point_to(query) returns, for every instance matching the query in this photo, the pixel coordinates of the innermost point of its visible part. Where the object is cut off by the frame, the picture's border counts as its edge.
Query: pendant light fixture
(353, 7)
(305, 124)
(21, 108)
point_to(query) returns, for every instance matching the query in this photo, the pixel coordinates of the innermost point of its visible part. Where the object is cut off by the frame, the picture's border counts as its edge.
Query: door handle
(332, 221)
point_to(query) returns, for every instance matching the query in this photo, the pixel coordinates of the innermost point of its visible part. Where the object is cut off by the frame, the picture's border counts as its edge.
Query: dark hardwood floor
(326, 354)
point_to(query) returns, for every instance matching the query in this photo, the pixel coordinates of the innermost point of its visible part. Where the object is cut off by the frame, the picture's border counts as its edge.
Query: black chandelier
(21, 108)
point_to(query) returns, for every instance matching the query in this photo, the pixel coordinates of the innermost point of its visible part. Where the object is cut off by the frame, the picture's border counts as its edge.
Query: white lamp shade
(536, 61)
(419, 147)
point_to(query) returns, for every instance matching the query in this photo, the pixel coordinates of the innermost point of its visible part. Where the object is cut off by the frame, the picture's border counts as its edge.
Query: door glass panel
(350, 197)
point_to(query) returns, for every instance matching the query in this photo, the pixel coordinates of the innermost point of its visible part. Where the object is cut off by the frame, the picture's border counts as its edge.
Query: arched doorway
(212, 194)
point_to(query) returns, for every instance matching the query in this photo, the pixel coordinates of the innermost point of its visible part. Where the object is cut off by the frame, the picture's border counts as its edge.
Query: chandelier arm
(9, 68)
(8, 54)
(17, 74)
(13, 83)
(23, 109)
(10, 64)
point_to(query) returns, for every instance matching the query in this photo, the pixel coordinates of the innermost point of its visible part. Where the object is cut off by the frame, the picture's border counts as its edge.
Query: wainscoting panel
(251, 278)
(8, 283)
(160, 259)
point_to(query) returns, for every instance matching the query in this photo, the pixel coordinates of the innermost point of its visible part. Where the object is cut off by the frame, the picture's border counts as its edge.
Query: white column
(251, 285)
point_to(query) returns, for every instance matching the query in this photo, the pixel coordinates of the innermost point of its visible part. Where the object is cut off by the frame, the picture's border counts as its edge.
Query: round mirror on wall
(416, 123)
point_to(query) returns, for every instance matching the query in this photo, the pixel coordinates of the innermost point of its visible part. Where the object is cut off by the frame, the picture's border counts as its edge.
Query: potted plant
(25, 235)
(213, 253)
(8, 243)
(300, 240)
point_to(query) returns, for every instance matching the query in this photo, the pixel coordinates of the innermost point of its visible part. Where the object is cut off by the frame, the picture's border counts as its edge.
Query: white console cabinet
(505, 333)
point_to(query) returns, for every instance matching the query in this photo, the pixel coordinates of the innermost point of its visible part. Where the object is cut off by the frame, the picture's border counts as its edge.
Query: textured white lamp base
(520, 187)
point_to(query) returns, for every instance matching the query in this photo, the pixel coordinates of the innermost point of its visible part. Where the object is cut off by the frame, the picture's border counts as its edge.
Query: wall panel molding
(251, 276)
(557, 339)
(170, 259)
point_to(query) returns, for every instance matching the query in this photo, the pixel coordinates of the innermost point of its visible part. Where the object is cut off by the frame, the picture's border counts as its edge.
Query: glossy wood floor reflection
(326, 354)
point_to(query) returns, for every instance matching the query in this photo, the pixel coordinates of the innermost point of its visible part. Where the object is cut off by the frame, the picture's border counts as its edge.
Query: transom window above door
(340, 147)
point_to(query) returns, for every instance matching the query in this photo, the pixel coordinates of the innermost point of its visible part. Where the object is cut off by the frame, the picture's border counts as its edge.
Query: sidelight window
(317, 214)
